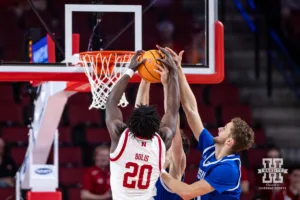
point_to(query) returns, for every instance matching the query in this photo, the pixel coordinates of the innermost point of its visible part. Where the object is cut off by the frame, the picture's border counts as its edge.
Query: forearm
(176, 186)
(187, 97)
(172, 104)
(177, 154)
(189, 104)
(177, 141)
(86, 195)
(143, 94)
(165, 86)
(118, 90)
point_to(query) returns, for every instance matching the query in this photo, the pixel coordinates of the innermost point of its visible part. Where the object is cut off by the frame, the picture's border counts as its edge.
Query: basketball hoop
(103, 70)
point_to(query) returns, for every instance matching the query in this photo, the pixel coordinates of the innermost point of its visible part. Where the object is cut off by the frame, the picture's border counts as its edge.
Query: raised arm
(221, 178)
(188, 100)
(114, 118)
(169, 120)
(142, 96)
(178, 155)
(177, 152)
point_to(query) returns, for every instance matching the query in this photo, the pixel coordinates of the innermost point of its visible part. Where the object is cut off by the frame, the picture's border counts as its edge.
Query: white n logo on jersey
(201, 174)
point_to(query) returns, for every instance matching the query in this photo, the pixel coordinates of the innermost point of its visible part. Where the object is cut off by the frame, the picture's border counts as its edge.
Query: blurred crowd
(96, 184)
(182, 31)
(282, 15)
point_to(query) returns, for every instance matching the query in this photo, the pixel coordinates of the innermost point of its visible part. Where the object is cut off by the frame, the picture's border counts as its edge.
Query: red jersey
(96, 181)
(285, 195)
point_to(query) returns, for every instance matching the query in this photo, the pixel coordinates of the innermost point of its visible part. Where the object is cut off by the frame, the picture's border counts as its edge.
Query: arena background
(261, 85)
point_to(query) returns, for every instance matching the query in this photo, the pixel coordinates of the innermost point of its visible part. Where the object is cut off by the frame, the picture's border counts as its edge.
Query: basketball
(146, 70)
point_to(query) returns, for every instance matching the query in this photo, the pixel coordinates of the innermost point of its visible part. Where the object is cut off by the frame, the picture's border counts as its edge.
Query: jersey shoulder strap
(161, 151)
(114, 156)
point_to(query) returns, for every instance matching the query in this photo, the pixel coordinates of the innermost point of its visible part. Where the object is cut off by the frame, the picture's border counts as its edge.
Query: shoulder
(227, 169)
(160, 142)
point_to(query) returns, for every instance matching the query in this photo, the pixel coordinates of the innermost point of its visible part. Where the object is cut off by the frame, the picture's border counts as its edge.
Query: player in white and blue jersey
(219, 172)
(175, 162)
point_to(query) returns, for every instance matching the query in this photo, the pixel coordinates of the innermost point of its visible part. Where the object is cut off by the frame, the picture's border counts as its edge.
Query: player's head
(101, 156)
(237, 135)
(144, 121)
(295, 176)
(185, 142)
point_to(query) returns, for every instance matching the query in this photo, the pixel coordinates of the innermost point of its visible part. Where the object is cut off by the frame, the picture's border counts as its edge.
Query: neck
(221, 151)
(101, 167)
(293, 190)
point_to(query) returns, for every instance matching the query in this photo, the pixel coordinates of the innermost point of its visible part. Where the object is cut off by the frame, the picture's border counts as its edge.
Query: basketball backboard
(187, 25)
(190, 25)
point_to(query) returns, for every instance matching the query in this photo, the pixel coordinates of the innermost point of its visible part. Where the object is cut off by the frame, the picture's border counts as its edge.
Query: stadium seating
(70, 176)
(8, 91)
(97, 136)
(65, 135)
(224, 94)
(18, 154)
(260, 137)
(255, 157)
(68, 156)
(210, 99)
(74, 194)
(193, 158)
(229, 112)
(7, 193)
(15, 135)
(86, 116)
(11, 113)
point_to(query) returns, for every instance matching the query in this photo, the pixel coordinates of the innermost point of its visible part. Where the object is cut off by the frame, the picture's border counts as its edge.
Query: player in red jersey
(138, 147)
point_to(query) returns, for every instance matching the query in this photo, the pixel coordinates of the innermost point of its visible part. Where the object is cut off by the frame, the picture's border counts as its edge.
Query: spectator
(245, 181)
(21, 6)
(7, 167)
(96, 183)
(195, 52)
(290, 11)
(166, 36)
(292, 191)
(287, 6)
(274, 152)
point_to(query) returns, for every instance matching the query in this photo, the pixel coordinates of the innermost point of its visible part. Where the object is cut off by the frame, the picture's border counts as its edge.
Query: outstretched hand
(177, 58)
(168, 60)
(164, 74)
(135, 61)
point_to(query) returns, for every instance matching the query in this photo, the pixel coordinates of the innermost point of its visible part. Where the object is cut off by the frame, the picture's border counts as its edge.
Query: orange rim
(112, 56)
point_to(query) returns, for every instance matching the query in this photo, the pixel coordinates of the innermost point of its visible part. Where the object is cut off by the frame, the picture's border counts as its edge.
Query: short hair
(242, 134)
(101, 147)
(144, 121)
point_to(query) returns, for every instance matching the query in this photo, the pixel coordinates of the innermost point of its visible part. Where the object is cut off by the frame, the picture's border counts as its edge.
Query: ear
(230, 142)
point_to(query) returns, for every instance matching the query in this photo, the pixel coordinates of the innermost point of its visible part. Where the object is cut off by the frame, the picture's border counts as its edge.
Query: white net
(100, 77)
